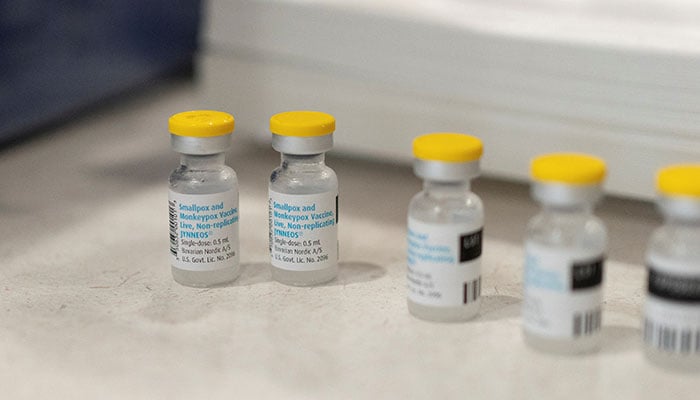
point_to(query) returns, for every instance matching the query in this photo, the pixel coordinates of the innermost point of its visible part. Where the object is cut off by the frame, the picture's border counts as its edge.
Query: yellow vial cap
(201, 123)
(679, 180)
(302, 123)
(568, 168)
(447, 147)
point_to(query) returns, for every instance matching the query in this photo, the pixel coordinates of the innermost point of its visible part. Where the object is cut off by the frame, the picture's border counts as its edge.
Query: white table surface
(88, 308)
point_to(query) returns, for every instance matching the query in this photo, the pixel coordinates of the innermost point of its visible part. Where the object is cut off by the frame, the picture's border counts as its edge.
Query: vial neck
(446, 189)
(680, 211)
(202, 161)
(568, 209)
(303, 162)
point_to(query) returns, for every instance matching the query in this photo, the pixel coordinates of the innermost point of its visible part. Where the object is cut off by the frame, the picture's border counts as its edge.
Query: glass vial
(565, 246)
(303, 200)
(672, 307)
(445, 227)
(203, 200)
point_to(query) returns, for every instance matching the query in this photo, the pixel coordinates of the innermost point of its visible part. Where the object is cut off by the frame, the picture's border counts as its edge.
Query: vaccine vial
(445, 228)
(672, 308)
(203, 200)
(565, 247)
(303, 200)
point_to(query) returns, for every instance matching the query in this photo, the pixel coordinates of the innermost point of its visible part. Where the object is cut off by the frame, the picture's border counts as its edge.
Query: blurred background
(620, 79)
(58, 59)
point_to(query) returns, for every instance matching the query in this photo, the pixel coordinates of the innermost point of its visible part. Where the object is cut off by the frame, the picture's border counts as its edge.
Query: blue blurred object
(57, 57)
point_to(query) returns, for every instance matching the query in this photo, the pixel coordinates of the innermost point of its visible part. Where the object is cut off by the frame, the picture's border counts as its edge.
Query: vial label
(203, 230)
(303, 231)
(563, 292)
(444, 263)
(672, 307)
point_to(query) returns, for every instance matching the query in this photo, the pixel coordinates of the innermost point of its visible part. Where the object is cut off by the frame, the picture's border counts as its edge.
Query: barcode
(172, 217)
(587, 323)
(472, 290)
(671, 339)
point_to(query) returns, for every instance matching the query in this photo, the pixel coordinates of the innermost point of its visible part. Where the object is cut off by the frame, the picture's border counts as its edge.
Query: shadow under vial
(253, 273)
(348, 272)
(620, 339)
(496, 307)
(356, 272)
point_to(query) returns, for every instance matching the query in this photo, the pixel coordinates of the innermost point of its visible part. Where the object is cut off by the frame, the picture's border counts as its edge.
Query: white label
(303, 231)
(671, 326)
(444, 263)
(203, 230)
(672, 308)
(563, 292)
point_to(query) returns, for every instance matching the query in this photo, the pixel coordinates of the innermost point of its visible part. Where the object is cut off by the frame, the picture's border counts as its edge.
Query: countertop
(89, 308)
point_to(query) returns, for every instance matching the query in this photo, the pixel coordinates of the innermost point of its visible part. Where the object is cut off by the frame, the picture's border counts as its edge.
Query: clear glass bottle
(303, 200)
(672, 308)
(445, 228)
(565, 247)
(203, 200)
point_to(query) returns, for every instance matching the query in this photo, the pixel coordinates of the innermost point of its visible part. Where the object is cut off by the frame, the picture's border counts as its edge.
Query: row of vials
(565, 243)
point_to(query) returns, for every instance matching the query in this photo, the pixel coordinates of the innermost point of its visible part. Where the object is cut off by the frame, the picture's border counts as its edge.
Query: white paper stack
(620, 79)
